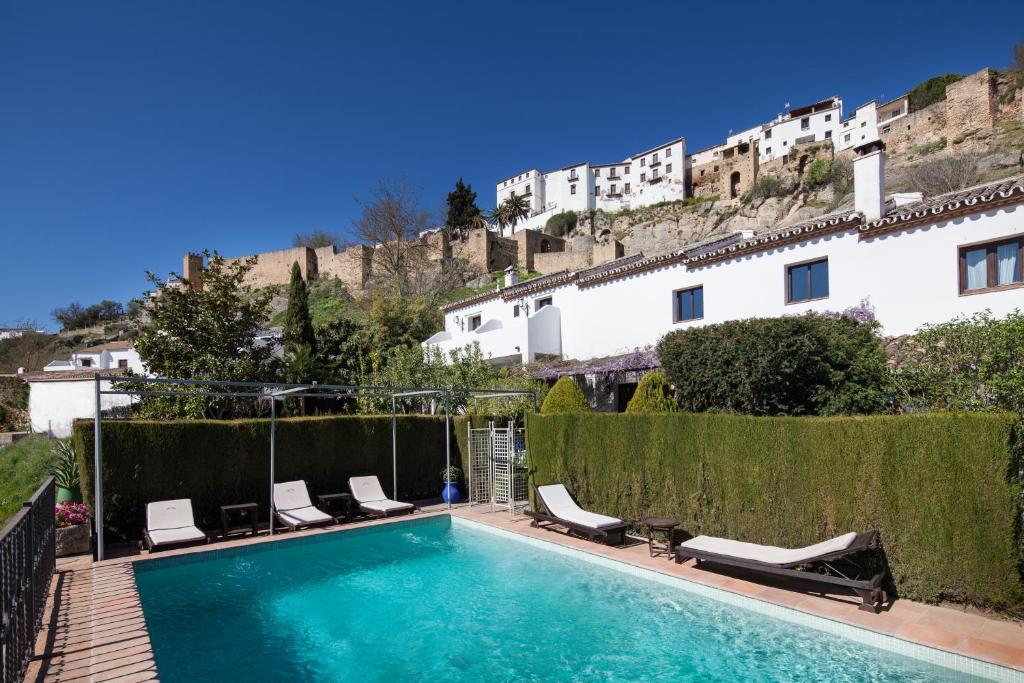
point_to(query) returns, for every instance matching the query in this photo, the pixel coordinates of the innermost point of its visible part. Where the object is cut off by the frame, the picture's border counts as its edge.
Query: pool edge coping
(948, 659)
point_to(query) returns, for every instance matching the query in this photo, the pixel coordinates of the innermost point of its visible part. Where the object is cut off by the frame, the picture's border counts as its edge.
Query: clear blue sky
(131, 132)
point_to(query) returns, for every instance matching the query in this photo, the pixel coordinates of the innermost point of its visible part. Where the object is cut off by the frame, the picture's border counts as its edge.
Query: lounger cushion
(769, 554)
(306, 515)
(169, 514)
(185, 534)
(366, 489)
(560, 504)
(291, 495)
(386, 506)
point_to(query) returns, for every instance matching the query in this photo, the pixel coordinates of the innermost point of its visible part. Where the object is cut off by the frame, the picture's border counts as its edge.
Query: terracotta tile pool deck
(94, 629)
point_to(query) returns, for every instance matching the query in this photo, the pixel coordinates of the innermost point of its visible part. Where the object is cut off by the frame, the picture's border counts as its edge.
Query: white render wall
(910, 277)
(54, 405)
(552, 193)
(823, 125)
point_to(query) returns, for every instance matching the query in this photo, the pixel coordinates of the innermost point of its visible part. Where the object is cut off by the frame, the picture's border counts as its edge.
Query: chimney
(869, 179)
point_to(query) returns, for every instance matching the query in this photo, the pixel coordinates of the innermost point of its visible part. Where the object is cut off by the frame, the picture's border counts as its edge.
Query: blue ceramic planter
(450, 493)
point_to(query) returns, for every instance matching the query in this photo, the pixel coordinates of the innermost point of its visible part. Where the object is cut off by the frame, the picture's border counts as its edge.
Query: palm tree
(510, 212)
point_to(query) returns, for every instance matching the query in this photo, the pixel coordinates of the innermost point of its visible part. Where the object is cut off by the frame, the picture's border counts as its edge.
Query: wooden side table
(655, 525)
(329, 501)
(242, 510)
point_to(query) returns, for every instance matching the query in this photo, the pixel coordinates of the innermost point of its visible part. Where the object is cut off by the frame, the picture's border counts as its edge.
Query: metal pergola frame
(273, 392)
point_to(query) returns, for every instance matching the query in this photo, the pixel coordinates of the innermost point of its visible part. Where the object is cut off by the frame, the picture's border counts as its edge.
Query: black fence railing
(27, 562)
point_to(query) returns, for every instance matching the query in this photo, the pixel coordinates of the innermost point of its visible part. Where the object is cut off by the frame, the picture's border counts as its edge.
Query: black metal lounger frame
(610, 535)
(861, 566)
(377, 513)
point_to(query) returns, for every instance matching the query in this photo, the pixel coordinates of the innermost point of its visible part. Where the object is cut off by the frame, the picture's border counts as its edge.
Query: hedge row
(944, 489)
(221, 462)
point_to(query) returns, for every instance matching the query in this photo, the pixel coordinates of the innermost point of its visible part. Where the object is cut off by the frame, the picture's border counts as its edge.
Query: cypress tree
(462, 208)
(653, 395)
(298, 325)
(565, 397)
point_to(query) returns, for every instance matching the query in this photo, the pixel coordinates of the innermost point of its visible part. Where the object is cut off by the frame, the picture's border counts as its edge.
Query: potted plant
(73, 535)
(65, 472)
(450, 479)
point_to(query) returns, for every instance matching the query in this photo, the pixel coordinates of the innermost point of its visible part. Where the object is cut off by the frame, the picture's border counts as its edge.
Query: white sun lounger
(560, 508)
(853, 560)
(293, 508)
(371, 499)
(171, 523)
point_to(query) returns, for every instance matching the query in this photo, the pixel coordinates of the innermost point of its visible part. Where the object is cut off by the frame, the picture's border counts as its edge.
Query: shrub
(943, 174)
(943, 489)
(974, 363)
(653, 395)
(23, 467)
(931, 91)
(765, 187)
(220, 462)
(565, 397)
(812, 364)
(818, 173)
(561, 224)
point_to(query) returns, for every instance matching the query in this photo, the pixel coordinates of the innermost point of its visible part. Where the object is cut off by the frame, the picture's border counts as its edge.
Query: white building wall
(860, 128)
(779, 137)
(910, 277)
(54, 405)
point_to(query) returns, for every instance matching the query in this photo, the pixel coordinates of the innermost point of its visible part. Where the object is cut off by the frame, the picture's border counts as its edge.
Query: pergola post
(273, 435)
(97, 474)
(394, 451)
(447, 442)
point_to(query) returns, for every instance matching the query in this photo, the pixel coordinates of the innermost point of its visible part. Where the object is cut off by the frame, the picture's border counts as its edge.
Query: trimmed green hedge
(221, 462)
(944, 489)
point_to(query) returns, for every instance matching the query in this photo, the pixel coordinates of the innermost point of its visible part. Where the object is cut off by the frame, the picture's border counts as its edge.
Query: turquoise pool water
(429, 601)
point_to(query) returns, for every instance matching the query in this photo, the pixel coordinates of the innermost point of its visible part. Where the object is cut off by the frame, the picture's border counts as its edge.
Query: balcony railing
(654, 163)
(655, 179)
(615, 177)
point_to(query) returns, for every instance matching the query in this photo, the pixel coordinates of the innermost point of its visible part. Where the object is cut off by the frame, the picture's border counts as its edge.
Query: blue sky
(132, 132)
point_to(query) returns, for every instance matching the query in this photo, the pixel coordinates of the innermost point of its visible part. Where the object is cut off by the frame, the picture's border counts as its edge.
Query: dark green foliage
(931, 91)
(974, 363)
(561, 224)
(653, 395)
(205, 334)
(796, 365)
(340, 349)
(565, 397)
(13, 405)
(943, 489)
(463, 213)
(219, 462)
(75, 316)
(298, 325)
(765, 187)
(819, 173)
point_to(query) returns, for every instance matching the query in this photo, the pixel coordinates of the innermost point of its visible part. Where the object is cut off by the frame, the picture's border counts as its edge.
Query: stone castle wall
(275, 267)
(530, 243)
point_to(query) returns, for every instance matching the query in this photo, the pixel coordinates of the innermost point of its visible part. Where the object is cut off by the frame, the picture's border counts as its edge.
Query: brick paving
(94, 629)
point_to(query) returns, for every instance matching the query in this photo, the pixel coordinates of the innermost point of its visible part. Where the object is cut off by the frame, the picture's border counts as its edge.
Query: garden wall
(943, 489)
(221, 462)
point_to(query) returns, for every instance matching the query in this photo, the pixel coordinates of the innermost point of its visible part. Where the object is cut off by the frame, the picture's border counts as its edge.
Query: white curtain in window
(1006, 263)
(976, 271)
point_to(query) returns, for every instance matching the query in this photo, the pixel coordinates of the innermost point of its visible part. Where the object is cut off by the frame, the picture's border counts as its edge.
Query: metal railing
(27, 562)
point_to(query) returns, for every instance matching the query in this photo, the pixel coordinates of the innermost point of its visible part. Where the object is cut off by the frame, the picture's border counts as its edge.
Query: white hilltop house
(64, 390)
(654, 175)
(914, 260)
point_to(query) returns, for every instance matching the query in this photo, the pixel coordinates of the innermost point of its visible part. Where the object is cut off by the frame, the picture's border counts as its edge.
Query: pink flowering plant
(71, 514)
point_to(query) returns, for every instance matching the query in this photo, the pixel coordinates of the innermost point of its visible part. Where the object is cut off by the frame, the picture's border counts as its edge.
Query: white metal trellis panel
(520, 473)
(480, 466)
(501, 458)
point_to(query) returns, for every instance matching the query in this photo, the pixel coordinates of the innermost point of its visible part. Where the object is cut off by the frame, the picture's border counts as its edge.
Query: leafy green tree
(298, 325)
(463, 213)
(813, 364)
(341, 350)
(508, 214)
(565, 397)
(970, 363)
(207, 334)
(400, 320)
(561, 224)
(653, 395)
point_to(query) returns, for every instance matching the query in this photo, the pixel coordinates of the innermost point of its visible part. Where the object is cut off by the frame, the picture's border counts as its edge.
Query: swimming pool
(431, 600)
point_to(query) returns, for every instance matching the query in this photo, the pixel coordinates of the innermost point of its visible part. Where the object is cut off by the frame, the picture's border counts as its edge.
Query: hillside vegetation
(23, 467)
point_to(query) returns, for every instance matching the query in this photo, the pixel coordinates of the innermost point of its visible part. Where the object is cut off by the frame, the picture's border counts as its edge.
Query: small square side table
(242, 510)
